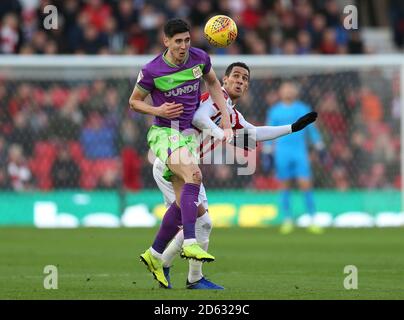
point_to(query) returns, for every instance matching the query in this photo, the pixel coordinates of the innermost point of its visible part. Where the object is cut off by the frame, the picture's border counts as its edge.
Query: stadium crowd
(59, 135)
(132, 26)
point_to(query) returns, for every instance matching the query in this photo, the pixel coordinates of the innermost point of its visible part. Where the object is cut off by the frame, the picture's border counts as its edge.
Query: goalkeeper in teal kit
(289, 154)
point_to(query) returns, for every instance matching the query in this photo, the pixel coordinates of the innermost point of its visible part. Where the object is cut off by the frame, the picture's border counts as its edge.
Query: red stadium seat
(76, 151)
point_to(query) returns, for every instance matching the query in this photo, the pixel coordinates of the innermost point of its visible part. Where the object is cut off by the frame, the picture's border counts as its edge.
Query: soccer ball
(220, 31)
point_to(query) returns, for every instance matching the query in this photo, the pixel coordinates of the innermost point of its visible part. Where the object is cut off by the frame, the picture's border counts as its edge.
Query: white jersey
(208, 116)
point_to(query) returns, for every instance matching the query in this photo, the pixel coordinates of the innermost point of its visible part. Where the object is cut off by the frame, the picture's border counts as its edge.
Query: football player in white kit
(208, 116)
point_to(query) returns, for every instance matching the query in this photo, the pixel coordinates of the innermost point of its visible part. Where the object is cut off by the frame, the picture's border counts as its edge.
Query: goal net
(66, 126)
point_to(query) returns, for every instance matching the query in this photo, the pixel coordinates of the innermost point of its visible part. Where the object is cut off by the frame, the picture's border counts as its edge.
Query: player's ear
(166, 40)
(225, 79)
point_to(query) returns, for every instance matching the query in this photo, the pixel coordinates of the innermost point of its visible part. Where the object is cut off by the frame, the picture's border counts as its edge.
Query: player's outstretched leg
(287, 224)
(152, 257)
(305, 185)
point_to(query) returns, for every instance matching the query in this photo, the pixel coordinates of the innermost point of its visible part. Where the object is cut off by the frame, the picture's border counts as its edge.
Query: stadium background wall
(227, 208)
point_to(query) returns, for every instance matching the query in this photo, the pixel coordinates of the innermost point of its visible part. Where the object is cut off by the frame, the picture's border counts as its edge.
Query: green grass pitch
(250, 264)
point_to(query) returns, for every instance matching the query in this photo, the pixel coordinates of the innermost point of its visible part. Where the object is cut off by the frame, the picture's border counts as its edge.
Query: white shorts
(167, 189)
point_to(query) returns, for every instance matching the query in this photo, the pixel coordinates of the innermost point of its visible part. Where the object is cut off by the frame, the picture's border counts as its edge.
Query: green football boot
(287, 227)
(155, 266)
(194, 251)
(315, 229)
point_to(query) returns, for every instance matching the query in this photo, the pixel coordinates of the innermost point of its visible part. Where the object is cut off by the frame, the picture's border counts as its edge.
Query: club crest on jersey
(174, 138)
(197, 72)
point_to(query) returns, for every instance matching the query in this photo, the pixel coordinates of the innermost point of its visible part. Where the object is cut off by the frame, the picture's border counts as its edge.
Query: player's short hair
(174, 26)
(230, 67)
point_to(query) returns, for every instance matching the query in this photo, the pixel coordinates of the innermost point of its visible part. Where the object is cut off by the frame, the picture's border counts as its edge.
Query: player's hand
(170, 110)
(304, 121)
(227, 129)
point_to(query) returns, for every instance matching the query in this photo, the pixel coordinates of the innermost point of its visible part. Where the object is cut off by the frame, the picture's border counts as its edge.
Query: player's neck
(170, 58)
(233, 100)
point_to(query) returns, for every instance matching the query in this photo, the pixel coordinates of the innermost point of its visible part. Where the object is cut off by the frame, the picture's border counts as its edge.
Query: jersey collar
(228, 97)
(173, 65)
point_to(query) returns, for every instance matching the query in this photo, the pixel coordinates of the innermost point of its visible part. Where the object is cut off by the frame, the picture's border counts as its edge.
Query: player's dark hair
(229, 69)
(174, 26)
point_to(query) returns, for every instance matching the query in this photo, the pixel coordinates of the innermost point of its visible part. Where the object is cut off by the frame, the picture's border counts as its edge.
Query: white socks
(203, 227)
(155, 253)
(188, 242)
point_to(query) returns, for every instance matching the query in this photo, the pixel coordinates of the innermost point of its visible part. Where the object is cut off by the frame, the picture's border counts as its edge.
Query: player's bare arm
(169, 110)
(215, 90)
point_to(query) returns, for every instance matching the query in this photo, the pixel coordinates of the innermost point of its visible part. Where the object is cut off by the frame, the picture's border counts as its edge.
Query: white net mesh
(49, 109)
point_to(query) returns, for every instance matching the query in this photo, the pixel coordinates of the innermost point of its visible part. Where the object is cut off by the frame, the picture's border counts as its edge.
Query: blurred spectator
(372, 109)
(108, 180)
(9, 6)
(18, 170)
(97, 139)
(4, 180)
(22, 134)
(114, 38)
(275, 42)
(119, 27)
(176, 9)
(151, 20)
(316, 29)
(66, 124)
(251, 14)
(65, 171)
(9, 34)
(132, 164)
(329, 42)
(111, 104)
(304, 42)
(126, 15)
(3, 152)
(93, 40)
(138, 39)
(38, 42)
(330, 117)
(377, 178)
(355, 43)
(289, 47)
(96, 102)
(397, 21)
(339, 176)
(200, 11)
(97, 13)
